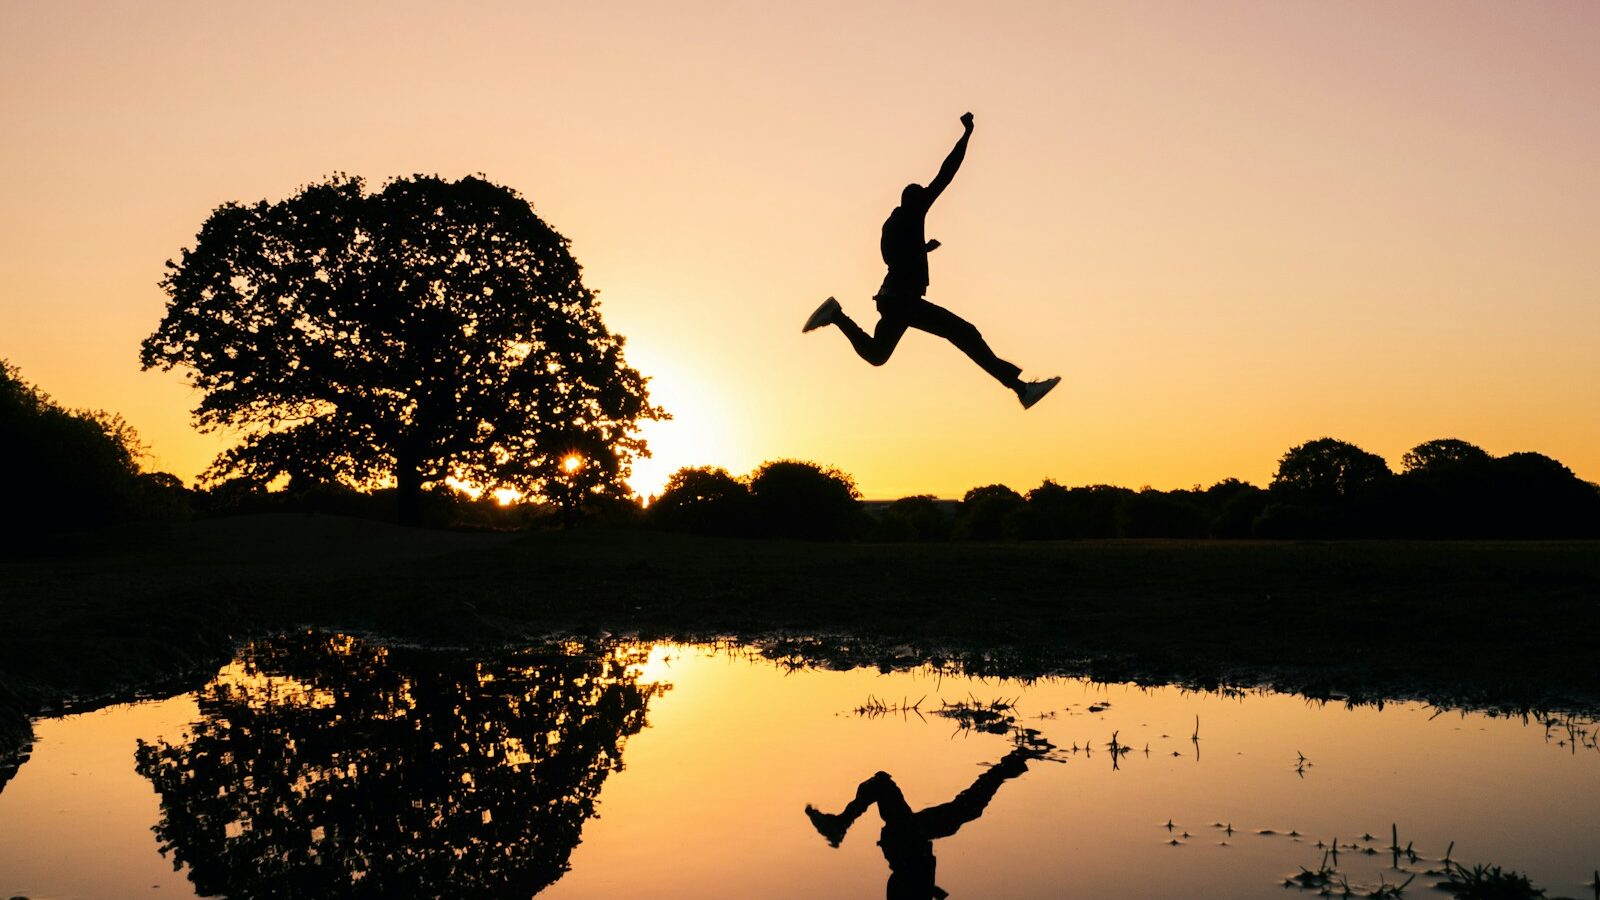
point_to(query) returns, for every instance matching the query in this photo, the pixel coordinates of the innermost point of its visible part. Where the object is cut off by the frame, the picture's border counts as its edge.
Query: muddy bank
(1485, 624)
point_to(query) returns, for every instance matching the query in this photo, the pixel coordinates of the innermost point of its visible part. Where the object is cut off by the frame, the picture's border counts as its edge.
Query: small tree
(429, 330)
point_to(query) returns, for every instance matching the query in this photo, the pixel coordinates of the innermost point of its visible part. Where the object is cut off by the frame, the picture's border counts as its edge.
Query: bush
(991, 512)
(1056, 512)
(919, 518)
(1237, 505)
(796, 499)
(704, 500)
(73, 468)
(1152, 513)
(1291, 521)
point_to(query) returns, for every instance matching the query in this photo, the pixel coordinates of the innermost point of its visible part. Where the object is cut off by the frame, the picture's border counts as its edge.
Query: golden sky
(1231, 227)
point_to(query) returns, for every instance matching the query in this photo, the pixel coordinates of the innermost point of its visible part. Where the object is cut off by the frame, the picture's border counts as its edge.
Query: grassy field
(1479, 623)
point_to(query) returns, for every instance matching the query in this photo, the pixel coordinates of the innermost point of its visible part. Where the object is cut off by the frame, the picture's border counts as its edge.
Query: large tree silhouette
(430, 329)
(323, 766)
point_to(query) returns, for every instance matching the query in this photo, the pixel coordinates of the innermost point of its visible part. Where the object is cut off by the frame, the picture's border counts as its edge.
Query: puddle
(325, 765)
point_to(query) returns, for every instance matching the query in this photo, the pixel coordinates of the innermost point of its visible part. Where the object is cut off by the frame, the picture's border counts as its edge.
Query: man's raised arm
(951, 162)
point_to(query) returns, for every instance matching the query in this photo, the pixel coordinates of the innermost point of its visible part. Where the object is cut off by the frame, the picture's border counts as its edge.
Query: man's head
(912, 194)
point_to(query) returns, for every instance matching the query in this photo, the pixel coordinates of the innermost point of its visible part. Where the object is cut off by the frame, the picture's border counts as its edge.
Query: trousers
(897, 314)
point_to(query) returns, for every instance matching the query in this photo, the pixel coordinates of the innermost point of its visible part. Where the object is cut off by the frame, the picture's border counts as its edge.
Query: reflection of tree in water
(326, 766)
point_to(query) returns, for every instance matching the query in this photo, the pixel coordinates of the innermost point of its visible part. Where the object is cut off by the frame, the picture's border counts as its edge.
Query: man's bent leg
(877, 347)
(937, 320)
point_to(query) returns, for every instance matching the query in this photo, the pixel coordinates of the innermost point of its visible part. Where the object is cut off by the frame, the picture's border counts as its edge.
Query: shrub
(918, 518)
(73, 468)
(703, 500)
(796, 499)
(990, 512)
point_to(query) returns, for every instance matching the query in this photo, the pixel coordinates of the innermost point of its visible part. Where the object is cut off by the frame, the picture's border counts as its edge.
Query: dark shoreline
(1492, 625)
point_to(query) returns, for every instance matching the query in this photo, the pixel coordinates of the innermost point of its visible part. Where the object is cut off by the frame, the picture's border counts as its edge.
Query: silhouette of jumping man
(900, 302)
(907, 837)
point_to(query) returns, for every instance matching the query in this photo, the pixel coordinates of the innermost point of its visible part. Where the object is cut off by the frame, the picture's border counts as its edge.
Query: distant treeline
(78, 469)
(1326, 488)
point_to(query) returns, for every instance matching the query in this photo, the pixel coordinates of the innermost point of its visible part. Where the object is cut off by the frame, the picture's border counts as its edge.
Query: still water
(327, 765)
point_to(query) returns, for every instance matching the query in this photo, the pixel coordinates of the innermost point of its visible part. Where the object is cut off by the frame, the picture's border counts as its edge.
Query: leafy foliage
(432, 329)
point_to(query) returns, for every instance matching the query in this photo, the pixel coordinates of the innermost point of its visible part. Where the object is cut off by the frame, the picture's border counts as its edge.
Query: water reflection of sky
(710, 796)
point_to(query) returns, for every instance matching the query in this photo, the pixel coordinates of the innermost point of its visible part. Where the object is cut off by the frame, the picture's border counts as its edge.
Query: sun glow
(571, 463)
(703, 428)
(1365, 272)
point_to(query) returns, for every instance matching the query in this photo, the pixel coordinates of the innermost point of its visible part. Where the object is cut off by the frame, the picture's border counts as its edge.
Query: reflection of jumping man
(900, 301)
(907, 837)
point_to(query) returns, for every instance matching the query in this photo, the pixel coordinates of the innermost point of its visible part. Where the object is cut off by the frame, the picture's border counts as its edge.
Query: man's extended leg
(947, 818)
(937, 320)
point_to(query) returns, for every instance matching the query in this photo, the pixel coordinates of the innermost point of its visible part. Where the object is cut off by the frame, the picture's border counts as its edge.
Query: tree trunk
(408, 484)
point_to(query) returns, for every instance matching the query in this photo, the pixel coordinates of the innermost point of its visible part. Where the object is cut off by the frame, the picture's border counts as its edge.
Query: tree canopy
(431, 329)
(1325, 468)
(1434, 454)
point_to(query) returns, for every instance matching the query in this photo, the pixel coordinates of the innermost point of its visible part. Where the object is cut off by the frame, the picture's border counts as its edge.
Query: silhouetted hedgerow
(1323, 489)
(784, 498)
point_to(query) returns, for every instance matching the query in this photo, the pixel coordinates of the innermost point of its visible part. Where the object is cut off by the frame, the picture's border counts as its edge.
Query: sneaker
(823, 316)
(832, 827)
(1034, 391)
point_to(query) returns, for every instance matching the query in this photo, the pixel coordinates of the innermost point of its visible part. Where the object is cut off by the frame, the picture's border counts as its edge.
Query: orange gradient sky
(1231, 227)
